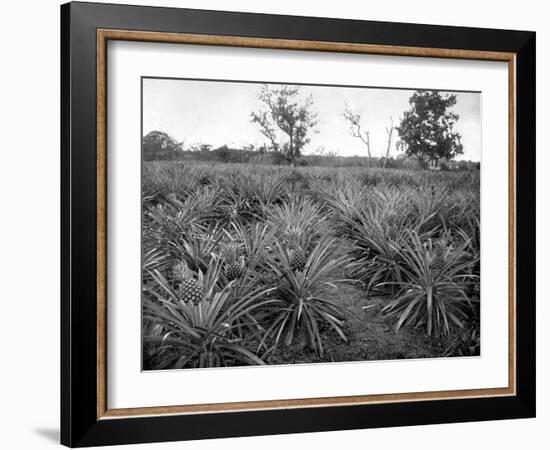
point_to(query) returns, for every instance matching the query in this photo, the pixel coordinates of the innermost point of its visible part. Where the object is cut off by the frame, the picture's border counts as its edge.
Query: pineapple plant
(189, 289)
(301, 307)
(233, 263)
(435, 299)
(212, 333)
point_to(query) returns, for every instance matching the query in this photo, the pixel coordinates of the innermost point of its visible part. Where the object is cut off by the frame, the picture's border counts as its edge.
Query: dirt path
(370, 336)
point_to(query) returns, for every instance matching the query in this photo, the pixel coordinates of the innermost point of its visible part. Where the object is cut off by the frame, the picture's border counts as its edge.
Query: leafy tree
(159, 145)
(223, 153)
(284, 112)
(427, 128)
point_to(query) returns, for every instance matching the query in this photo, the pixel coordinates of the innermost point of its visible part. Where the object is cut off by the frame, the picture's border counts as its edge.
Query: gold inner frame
(104, 35)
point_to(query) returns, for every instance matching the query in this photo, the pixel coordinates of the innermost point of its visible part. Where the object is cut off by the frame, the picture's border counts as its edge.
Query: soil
(370, 336)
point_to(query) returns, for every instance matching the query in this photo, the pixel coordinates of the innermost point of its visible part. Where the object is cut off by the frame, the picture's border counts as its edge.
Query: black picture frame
(80, 425)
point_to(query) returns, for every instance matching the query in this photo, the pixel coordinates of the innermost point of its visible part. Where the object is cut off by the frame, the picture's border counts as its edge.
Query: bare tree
(389, 132)
(356, 129)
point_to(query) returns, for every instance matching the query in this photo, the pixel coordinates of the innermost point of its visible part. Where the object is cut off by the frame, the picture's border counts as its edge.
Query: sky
(218, 113)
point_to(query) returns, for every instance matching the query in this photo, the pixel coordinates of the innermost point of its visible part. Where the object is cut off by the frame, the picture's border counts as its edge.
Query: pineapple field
(249, 264)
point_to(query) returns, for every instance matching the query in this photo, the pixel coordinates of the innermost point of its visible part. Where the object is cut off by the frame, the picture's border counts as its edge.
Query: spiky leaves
(434, 299)
(298, 222)
(301, 297)
(202, 334)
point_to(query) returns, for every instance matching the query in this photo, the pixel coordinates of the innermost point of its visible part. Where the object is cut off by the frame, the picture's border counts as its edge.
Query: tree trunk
(433, 163)
(291, 152)
(368, 147)
(390, 133)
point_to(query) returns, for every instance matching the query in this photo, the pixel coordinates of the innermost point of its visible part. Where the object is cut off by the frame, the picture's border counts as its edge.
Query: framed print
(276, 224)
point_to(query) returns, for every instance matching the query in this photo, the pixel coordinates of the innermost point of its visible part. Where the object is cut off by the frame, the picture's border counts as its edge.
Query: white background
(29, 259)
(129, 387)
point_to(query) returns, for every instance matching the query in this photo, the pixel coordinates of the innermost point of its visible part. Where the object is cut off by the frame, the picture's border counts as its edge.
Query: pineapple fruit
(233, 271)
(189, 289)
(296, 256)
(234, 265)
(297, 259)
(438, 260)
(393, 232)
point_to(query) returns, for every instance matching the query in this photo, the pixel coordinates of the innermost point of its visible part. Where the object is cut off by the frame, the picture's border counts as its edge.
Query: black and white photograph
(275, 225)
(300, 224)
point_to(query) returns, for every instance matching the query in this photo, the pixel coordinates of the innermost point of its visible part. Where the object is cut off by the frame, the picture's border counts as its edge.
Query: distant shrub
(157, 145)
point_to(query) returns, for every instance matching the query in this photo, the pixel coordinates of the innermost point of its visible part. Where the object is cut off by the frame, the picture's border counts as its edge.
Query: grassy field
(251, 264)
